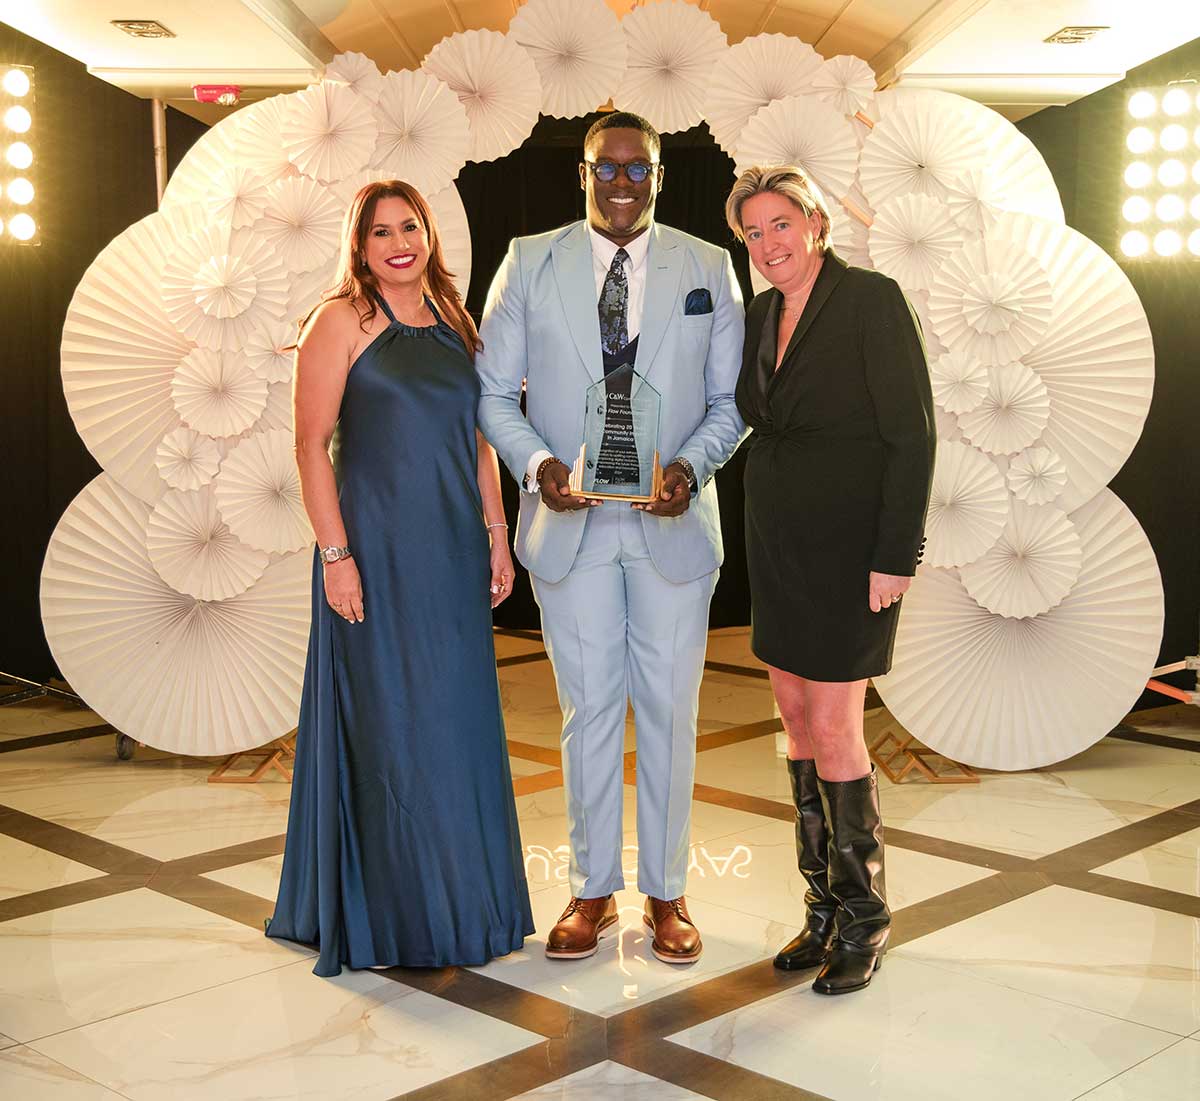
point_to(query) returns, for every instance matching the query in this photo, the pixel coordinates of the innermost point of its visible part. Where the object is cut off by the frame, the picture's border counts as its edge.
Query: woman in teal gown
(402, 845)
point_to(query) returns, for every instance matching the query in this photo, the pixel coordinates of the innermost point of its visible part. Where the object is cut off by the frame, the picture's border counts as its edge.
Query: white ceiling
(991, 50)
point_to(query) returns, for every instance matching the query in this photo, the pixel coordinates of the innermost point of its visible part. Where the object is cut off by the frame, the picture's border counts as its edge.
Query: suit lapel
(664, 269)
(832, 270)
(572, 258)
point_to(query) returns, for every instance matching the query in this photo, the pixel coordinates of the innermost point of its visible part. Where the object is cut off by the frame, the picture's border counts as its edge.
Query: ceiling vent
(1074, 36)
(143, 28)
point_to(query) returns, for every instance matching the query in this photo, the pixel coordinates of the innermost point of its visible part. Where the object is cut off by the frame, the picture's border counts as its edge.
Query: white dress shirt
(604, 252)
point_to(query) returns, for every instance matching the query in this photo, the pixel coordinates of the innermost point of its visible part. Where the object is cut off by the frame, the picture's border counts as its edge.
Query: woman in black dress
(834, 385)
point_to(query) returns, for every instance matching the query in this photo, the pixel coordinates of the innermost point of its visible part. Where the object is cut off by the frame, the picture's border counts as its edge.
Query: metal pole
(158, 114)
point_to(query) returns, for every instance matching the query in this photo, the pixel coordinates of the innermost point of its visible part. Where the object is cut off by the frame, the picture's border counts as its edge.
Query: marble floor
(1046, 941)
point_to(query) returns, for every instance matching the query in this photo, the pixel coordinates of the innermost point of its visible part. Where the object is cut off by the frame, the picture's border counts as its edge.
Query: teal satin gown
(403, 846)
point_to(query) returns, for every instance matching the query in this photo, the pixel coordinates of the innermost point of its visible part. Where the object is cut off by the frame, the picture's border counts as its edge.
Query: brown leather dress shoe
(577, 933)
(676, 939)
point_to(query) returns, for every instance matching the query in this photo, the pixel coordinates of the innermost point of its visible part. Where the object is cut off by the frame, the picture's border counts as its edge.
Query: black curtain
(94, 177)
(536, 188)
(1083, 144)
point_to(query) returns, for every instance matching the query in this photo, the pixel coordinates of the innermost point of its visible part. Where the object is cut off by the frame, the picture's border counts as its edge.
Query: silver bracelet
(496, 525)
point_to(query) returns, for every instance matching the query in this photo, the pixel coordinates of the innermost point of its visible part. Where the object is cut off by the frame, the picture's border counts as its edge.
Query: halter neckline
(437, 317)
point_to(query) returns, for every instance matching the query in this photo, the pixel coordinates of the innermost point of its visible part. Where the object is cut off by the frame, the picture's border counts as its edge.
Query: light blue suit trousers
(624, 596)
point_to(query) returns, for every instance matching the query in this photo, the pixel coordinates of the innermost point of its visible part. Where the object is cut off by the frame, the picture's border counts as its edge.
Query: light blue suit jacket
(541, 324)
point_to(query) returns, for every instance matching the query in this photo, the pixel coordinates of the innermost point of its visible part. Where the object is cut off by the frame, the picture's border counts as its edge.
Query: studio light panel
(18, 140)
(1160, 214)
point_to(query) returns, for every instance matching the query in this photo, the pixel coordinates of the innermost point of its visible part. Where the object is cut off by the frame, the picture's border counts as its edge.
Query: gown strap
(385, 307)
(437, 317)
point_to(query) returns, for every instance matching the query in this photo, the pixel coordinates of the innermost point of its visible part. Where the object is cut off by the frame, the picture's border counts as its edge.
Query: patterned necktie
(614, 306)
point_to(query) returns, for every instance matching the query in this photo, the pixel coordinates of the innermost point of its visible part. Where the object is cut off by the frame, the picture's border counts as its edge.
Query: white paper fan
(1022, 693)
(424, 134)
(278, 413)
(756, 72)
(991, 299)
(959, 381)
(238, 197)
(918, 147)
(203, 164)
(270, 350)
(804, 131)
(328, 131)
(218, 286)
(1096, 357)
(193, 549)
(947, 425)
(1012, 414)
(910, 238)
(846, 83)
(120, 350)
(258, 494)
(258, 137)
(1031, 568)
(303, 224)
(186, 676)
(579, 51)
(186, 459)
(496, 81)
(849, 237)
(672, 47)
(968, 506)
(218, 393)
(1036, 476)
(357, 71)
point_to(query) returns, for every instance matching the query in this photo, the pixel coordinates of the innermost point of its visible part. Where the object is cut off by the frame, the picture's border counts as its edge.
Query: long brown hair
(356, 282)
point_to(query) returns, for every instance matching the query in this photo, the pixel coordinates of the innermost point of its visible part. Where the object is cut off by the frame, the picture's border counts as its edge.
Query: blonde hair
(355, 282)
(786, 180)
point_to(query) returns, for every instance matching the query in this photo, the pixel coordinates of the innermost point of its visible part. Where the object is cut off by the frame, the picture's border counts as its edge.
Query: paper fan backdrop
(968, 506)
(991, 299)
(180, 674)
(1036, 476)
(217, 393)
(959, 381)
(270, 351)
(846, 83)
(302, 222)
(120, 350)
(579, 51)
(1010, 694)
(194, 551)
(424, 134)
(1011, 175)
(358, 72)
(258, 137)
(1031, 568)
(804, 131)
(1012, 413)
(203, 164)
(496, 81)
(911, 237)
(918, 147)
(258, 494)
(328, 131)
(1096, 356)
(186, 459)
(278, 412)
(672, 47)
(756, 72)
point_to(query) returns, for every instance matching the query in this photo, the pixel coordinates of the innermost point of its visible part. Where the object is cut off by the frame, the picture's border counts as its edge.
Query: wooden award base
(576, 483)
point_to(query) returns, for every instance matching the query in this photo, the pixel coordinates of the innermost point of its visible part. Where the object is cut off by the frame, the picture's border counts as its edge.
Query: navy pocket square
(698, 301)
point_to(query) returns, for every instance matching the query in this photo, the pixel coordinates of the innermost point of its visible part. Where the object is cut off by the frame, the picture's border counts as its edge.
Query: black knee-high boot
(811, 945)
(856, 880)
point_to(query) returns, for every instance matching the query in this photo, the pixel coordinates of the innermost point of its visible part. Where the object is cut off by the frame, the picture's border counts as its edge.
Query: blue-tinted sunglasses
(606, 171)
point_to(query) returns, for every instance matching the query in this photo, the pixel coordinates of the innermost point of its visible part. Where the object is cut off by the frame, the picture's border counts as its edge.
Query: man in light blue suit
(623, 590)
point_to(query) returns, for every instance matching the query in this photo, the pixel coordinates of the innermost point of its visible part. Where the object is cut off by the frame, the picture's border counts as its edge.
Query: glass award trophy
(619, 458)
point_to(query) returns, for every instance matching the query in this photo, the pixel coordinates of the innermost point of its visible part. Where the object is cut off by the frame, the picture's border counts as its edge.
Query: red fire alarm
(225, 94)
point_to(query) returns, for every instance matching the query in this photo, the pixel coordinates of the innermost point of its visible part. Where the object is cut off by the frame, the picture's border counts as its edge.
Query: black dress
(837, 478)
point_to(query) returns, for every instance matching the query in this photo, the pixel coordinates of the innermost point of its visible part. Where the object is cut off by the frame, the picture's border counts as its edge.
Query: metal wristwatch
(334, 554)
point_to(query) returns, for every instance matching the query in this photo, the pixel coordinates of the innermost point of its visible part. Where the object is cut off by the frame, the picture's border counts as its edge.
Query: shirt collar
(604, 250)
